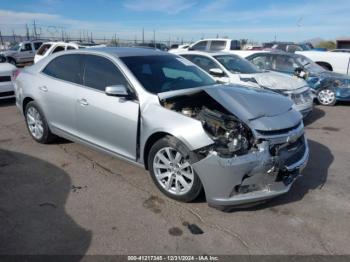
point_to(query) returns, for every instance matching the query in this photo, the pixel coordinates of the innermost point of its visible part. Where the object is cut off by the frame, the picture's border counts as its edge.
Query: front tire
(12, 61)
(170, 167)
(37, 124)
(326, 97)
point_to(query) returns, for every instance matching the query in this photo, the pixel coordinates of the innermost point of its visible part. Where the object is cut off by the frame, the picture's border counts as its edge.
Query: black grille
(291, 153)
(279, 131)
(5, 78)
(11, 93)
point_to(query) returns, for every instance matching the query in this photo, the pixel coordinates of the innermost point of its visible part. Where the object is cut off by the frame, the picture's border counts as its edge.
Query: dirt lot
(67, 199)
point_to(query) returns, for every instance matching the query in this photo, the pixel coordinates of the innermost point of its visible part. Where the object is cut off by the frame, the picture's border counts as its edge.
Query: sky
(190, 20)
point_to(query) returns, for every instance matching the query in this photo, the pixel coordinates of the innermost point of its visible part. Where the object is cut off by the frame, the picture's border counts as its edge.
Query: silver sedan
(237, 144)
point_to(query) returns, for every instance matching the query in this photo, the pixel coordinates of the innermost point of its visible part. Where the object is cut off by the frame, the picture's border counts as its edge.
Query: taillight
(15, 74)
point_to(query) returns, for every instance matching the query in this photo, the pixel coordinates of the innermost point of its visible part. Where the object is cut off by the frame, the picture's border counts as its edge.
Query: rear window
(217, 45)
(200, 46)
(43, 49)
(65, 67)
(235, 45)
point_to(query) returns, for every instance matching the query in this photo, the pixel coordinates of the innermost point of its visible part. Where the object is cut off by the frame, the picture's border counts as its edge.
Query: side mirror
(117, 90)
(216, 72)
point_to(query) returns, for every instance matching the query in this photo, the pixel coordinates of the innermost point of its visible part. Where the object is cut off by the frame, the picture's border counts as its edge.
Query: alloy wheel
(173, 172)
(326, 97)
(35, 123)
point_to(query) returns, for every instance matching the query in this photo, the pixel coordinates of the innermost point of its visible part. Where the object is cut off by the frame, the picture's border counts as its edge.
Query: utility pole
(35, 33)
(27, 32)
(154, 38)
(14, 36)
(2, 42)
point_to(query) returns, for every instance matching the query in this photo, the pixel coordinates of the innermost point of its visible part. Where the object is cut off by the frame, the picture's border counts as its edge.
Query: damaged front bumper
(253, 177)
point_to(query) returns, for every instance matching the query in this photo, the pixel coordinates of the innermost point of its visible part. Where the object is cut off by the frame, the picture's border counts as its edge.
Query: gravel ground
(65, 198)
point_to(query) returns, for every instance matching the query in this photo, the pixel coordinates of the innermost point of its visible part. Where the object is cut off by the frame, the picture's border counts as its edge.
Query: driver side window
(262, 62)
(203, 62)
(26, 47)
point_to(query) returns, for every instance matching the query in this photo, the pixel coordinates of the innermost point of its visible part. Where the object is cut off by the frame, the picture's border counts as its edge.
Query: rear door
(58, 90)
(26, 53)
(106, 121)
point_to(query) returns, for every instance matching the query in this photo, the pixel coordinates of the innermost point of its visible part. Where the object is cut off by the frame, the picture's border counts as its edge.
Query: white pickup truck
(332, 61)
(213, 44)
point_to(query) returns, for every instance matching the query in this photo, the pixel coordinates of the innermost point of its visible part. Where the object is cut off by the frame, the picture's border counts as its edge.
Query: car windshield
(14, 47)
(235, 64)
(162, 73)
(308, 64)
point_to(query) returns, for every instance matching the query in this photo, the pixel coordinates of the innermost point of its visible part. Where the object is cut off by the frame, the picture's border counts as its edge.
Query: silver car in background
(239, 144)
(230, 68)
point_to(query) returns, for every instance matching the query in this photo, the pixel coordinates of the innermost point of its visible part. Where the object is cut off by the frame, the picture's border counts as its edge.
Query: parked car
(329, 87)
(159, 46)
(332, 61)
(215, 44)
(290, 47)
(177, 46)
(159, 110)
(7, 71)
(229, 68)
(22, 53)
(49, 48)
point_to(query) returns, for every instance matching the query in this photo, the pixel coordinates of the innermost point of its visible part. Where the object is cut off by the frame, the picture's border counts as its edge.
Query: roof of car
(208, 53)
(125, 51)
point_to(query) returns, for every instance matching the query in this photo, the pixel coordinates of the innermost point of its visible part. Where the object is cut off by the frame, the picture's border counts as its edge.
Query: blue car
(328, 87)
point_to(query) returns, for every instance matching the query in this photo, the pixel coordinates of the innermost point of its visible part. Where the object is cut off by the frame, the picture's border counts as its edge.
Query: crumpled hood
(246, 103)
(250, 103)
(320, 79)
(277, 81)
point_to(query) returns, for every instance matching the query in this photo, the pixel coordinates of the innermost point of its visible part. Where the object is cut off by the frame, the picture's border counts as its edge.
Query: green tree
(326, 44)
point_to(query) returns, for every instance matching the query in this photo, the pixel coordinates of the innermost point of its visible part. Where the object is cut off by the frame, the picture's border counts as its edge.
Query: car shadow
(33, 220)
(316, 114)
(314, 177)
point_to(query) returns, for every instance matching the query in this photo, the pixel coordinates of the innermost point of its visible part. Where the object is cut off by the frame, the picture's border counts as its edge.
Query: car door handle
(43, 88)
(83, 102)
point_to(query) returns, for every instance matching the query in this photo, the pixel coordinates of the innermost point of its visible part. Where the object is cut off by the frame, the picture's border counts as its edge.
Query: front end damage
(253, 156)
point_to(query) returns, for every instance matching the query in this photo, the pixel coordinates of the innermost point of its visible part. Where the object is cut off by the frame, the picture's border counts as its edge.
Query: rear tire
(170, 166)
(37, 125)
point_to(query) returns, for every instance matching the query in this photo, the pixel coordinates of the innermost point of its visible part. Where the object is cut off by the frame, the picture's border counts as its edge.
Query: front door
(106, 121)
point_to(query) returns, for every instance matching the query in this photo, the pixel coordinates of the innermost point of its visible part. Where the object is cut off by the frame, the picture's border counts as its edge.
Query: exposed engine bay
(231, 137)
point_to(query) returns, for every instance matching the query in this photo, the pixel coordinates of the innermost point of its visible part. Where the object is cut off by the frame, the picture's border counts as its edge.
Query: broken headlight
(231, 136)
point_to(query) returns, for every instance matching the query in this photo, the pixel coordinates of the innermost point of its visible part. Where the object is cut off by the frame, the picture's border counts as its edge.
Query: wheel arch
(8, 58)
(325, 65)
(25, 102)
(150, 142)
